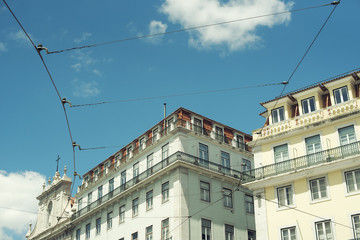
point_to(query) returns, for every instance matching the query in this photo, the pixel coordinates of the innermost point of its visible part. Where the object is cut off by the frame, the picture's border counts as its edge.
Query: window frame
(349, 139)
(98, 226)
(77, 234)
(135, 236)
(109, 219)
(149, 234)
(205, 229)
(246, 164)
(323, 225)
(249, 205)
(290, 200)
(341, 94)
(165, 191)
(205, 192)
(100, 192)
(203, 155)
(283, 157)
(353, 172)
(229, 235)
(280, 116)
(288, 230)
(309, 107)
(319, 191)
(87, 231)
(165, 229)
(228, 198)
(122, 211)
(135, 207)
(356, 226)
(149, 199)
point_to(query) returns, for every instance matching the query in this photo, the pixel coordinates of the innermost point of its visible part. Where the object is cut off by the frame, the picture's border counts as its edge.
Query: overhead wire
(335, 4)
(174, 95)
(38, 49)
(186, 29)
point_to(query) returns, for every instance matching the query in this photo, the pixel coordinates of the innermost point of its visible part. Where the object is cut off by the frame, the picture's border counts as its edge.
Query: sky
(33, 130)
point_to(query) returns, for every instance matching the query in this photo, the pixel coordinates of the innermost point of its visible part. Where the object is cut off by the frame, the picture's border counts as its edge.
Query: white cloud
(83, 60)
(20, 37)
(85, 89)
(97, 72)
(2, 47)
(19, 191)
(235, 36)
(84, 37)
(154, 28)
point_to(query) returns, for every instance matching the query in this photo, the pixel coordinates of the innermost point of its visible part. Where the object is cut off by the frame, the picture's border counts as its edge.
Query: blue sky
(255, 52)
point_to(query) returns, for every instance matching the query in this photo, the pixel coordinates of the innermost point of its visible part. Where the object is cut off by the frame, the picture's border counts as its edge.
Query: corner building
(178, 180)
(306, 180)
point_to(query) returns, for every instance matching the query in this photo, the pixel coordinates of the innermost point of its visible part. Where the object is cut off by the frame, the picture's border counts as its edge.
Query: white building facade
(179, 180)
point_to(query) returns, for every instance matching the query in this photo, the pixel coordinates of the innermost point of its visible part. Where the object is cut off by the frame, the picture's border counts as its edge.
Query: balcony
(303, 162)
(176, 157)
(307, 119)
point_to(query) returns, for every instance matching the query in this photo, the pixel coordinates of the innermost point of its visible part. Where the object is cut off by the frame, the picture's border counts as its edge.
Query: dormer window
(142, 143)
(278, 115)
(308, 105)
(341, 95)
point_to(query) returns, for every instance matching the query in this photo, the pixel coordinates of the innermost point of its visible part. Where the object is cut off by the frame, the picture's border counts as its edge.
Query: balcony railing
(303, 162)
(310, 118)
(178, 156)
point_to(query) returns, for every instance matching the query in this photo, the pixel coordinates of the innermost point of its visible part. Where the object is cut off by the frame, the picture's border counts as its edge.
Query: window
(246, 164)
(129, 151)
(227, 197)
(109, 220)
(205, 229)
(341, 95)
(165, 229)
(135, 207)
(240, 141)
(225, 162)
(219, 135)
(149, 200)
(169, 123)
(136, 170)
(149, 164)
(77, 236)
(281, 153)
(229, 232)
(134, 236)
(313, 144)
(111, 185)
(197, 125)
(352, 179)
(123, 180)
(122, 214)
(100, 192)
(142, 143)
(323, 230)
(149, 233)
(98, 226)
(285, 196)
(87, 231)
(205, 191)
(318, 188)
(277, 115)
(249, 204)
(356, 225)
(165, 151)
(347, 135)
(155, 134)
(251, 235)
(165, 191)
(89, 198)
(121, 238)
(203, 155)
(80, 203)
(308, 105)
(288, 233)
